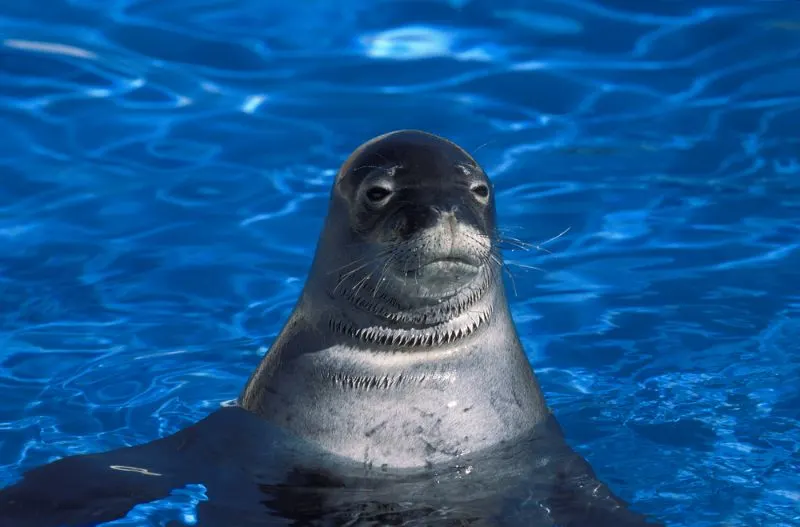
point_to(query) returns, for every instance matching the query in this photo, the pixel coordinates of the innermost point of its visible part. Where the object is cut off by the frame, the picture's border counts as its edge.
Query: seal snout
(448, 245)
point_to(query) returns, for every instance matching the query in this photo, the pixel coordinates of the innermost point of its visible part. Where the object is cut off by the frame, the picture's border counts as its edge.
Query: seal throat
(413, 338)
(388, 323)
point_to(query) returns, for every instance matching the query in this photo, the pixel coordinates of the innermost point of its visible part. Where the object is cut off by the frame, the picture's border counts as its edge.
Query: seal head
(415, 256)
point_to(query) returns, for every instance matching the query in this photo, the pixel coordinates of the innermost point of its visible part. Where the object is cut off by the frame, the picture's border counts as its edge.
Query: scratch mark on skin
(143, 471)
(371, 431)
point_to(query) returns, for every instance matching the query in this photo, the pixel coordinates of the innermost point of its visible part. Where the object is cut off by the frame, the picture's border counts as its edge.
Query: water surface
(166, 169)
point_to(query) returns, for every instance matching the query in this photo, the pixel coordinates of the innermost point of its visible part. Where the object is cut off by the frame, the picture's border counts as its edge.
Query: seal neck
(370, 356)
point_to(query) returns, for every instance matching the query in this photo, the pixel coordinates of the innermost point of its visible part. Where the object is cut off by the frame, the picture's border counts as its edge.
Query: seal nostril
(453, 221)
(445, 210)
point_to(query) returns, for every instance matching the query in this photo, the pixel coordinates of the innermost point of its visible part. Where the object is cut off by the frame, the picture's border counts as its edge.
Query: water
(166, 168)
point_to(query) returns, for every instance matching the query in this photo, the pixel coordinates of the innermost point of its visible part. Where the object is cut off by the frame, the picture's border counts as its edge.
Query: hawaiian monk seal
(398, 391)
(401, 350)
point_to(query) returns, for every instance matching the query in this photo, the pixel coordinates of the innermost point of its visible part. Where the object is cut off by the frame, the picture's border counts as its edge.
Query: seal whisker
(511, 276)
(392, 256)
(487, 143)
(345, 266)
(557, 236)
(361, 283)
(503, 264)
(345, 276)
(519, 244)
(373, 167)
(525, 266)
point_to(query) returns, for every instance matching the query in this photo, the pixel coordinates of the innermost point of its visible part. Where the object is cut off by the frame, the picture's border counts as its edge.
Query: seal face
(419, 243)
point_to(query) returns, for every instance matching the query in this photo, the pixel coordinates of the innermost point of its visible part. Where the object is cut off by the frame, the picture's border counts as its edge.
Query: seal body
(398, 391)
(398, 410)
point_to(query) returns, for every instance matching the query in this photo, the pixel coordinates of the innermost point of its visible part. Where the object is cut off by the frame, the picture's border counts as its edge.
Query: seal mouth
(452, 265)
(437, 279)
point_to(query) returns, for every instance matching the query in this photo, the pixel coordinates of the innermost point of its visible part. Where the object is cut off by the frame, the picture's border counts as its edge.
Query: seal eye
(377, 194)
(480, 190)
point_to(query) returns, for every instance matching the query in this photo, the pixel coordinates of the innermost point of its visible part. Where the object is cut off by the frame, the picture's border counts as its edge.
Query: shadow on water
(255, 473)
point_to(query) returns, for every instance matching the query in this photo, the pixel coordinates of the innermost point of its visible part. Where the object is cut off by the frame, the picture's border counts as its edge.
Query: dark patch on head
(401, 182)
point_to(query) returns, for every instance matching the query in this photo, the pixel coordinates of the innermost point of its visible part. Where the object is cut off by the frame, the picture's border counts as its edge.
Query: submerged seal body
(401, 350)
(397, 392)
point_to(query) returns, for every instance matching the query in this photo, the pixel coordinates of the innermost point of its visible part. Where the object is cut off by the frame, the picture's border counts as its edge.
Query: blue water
(166, 167)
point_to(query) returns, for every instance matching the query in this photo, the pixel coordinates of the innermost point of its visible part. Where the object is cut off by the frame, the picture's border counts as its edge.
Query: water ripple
(167, 167)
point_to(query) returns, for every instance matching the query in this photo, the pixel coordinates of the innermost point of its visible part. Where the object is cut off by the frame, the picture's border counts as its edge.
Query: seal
(401, 350)
(398, 391)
